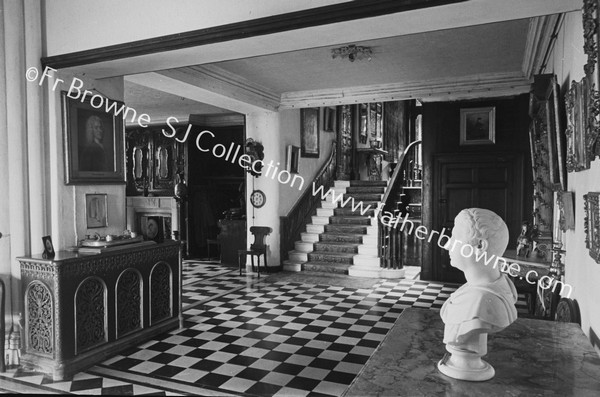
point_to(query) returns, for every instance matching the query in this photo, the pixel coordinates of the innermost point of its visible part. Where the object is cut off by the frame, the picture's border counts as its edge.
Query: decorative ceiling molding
(469, 87)
(539, 39)
(221, 80)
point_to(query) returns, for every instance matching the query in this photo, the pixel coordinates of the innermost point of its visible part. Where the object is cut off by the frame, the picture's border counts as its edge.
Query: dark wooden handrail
(293, 224)
(390, 247)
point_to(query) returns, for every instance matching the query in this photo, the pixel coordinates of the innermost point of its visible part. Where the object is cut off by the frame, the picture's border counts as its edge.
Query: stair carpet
(338, 233)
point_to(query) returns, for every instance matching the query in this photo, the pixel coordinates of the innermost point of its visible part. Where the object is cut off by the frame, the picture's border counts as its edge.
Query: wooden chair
(257, 248)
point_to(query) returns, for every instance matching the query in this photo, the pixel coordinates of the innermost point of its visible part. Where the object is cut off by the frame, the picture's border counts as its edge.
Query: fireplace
(155, 218)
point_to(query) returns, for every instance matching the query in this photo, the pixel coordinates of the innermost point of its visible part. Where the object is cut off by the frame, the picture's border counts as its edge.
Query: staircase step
(358, 229)
(320, 220)
(304, 246)
(336, 247)
(310, 228)
(333, 257)
(349, 220)
(341, 184)
(325, 211)
(309, 237)
(325, 267)
(362, 205)
(349, 211)
(292, 266)
(363, 197)
(365, 189)
(368, 183)
(298, 256)
(342, 237)
(328, 204)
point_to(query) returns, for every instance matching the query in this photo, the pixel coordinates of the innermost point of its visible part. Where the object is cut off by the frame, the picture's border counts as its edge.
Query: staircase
(339, 235)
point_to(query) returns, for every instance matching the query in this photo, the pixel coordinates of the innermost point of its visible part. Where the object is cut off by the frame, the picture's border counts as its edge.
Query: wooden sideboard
(81, 309)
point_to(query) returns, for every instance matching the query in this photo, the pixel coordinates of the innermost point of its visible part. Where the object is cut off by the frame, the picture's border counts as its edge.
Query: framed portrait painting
(478, 126)
(309, 128)
(95, 210)
(93, 140)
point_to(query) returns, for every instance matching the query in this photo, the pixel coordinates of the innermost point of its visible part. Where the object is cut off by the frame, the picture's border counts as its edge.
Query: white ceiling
(472, 49)
(452, 53)
(490, 48)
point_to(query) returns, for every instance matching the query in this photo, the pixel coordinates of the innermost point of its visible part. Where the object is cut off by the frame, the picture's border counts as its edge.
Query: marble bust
(485, 303)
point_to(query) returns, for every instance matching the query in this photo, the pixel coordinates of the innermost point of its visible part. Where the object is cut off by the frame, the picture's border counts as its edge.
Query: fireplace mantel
(144, 206)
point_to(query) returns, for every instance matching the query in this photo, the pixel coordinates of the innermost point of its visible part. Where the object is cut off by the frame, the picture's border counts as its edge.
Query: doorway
(491, 181)
(216, 190)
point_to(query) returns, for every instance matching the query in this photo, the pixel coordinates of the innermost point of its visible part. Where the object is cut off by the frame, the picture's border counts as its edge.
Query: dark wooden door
(491, 181)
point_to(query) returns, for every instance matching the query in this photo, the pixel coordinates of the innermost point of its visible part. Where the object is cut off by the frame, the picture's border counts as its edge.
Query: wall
(68, 221)
(289, 130)
(142, 19)
(566, 61)
(441, 134)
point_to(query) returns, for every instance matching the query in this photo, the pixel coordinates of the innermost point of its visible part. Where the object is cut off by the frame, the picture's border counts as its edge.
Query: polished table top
(531, 358)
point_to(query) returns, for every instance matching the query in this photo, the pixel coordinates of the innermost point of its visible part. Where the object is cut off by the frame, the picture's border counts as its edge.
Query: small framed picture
(95, 210)
(329, 119)
(153, 228)
(478, 126)
(292, 156)
(48, 247)
(309, 129)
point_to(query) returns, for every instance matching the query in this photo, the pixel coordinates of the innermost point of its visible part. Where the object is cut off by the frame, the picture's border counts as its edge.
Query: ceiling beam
(212, 86)
(469, 87)
(307, 18)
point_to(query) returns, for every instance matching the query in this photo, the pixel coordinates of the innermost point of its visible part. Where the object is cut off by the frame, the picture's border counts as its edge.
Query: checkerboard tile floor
(245, 336)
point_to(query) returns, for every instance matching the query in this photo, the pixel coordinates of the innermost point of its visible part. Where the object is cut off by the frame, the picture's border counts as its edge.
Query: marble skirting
(531, 358)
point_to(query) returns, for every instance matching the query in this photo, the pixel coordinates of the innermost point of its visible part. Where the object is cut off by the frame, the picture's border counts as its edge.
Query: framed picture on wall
(292, 155)
(93, 141)
(95, 210)
(591, 204)
(478, 126)
(556, 152)
(577, 118)
(329, 119)
(309, 129)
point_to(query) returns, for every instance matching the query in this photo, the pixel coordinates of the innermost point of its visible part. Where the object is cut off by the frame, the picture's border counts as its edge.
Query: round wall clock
(258, 198)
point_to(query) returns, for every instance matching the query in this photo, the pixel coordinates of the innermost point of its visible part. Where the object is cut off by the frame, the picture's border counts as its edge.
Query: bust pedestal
(465, 364)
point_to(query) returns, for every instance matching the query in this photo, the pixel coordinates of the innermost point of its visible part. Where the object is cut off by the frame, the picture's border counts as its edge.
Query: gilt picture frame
(478, 126)
(93, 141)
(577, 123)
(309, 128)
(591, 43)
(556, 151)
(592, 224)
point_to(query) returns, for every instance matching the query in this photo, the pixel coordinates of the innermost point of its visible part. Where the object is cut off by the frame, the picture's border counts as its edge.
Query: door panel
(473, 180)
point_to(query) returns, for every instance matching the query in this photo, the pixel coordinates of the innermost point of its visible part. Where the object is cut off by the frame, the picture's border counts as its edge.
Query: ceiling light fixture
(352, 52)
